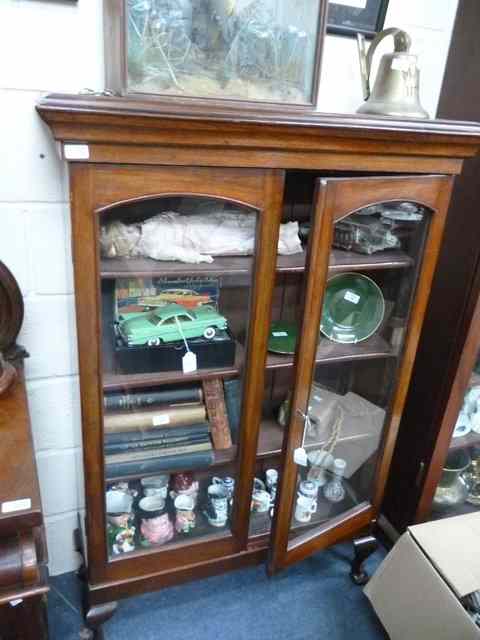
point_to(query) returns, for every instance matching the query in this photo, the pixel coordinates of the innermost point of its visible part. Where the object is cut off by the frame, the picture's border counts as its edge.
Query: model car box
(416, 590)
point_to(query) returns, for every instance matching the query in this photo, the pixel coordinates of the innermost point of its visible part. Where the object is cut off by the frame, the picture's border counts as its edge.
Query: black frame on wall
(349, 17)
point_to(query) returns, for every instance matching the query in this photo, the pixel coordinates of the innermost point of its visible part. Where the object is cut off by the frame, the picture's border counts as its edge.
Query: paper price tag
(76, 151)
(300, 457)
(16, 602)
(352, 297)
(279, 334)
(16, 505)
(162, 418)
(189, 362)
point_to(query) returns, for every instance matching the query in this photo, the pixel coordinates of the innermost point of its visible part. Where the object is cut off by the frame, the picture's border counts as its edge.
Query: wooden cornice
(292, 139)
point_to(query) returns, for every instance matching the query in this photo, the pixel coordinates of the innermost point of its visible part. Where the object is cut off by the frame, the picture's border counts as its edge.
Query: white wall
(56, 46)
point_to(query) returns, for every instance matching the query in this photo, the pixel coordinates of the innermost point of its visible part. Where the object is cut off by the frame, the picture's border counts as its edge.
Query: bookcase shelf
(328, 352)
(340, 260)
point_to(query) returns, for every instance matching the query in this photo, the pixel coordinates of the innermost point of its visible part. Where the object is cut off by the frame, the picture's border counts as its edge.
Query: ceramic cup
(150, 504)
(118, 502)
(217, 505)
(261, 501)
(304, 508)
(185, 514)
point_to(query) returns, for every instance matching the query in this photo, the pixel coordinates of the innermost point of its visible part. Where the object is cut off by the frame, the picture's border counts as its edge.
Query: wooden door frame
(455, 401)
(97, 188)
(336, 198)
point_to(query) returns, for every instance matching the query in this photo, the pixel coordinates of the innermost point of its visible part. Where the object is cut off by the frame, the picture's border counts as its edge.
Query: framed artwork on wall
(349, 17)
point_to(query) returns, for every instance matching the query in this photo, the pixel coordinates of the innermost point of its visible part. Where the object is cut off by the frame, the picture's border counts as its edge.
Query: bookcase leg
(95, 617)
(363, 548)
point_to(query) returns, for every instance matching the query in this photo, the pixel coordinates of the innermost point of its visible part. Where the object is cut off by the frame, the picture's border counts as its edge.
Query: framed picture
(349, 17)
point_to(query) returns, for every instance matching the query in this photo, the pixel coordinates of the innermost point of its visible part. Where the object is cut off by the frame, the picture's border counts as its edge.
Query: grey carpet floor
(310, 601)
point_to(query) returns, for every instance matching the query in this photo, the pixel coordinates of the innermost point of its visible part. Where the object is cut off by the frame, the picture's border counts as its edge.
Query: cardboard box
(415, 591)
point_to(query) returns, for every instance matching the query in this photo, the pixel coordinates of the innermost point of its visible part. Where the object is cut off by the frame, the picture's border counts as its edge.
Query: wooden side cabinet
(439, 431)
(249, 299)
(23, 551)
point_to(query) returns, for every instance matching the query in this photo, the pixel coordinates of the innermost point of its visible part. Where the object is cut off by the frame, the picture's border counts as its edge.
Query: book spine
(141, 399)
(233, 402)
(158, 453)
(118, 422)
(217, 414)
(202, 428)
(144, 445)
(198, 460)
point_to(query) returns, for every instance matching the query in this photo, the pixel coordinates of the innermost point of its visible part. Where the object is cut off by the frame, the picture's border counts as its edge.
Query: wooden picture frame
(349, 17)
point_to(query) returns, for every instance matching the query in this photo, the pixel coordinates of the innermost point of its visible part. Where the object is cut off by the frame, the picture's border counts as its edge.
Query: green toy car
(166, 324)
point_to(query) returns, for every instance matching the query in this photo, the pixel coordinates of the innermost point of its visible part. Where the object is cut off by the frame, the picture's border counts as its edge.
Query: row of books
(152, 431)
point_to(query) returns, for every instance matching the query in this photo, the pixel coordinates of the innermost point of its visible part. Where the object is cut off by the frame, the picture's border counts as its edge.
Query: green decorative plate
(283, 337)
(353, 308)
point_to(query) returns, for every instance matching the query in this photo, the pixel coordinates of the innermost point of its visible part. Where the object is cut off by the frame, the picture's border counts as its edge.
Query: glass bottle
(334, 490)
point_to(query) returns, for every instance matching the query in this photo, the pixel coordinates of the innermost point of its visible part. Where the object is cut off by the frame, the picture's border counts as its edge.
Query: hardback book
(118, 401)
(148, 454)
(146, 445)
(168, 433)
(233, 403)
(162, 417)
(217, 413)
(197, 460)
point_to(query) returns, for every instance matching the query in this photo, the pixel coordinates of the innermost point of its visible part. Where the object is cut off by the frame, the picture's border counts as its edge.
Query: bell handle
(402, 42)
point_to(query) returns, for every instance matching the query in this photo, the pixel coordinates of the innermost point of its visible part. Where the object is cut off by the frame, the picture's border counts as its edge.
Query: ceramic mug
(271, 478)
(120, 519)
(308, 488)
(304, 508)
(228, 483)
(184, 485)
(156, 530)
(185, 514)
(217, 505)
(151, 504)
(261, 501)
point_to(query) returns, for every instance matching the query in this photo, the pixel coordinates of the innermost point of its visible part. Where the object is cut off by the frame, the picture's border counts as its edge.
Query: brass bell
(396, 88)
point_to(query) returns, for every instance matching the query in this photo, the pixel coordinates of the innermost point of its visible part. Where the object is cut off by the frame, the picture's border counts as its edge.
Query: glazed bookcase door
(169, 315)
(372, 248)
(452, 482)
